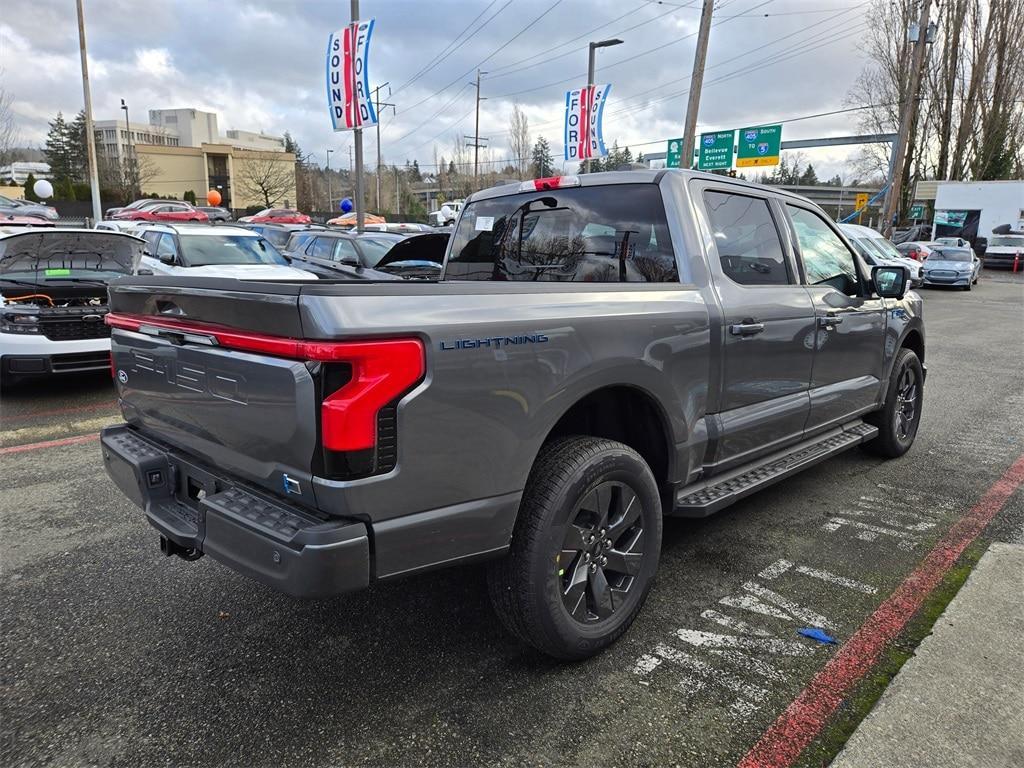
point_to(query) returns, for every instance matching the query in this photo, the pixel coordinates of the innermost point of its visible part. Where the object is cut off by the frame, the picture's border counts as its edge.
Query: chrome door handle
(829, 320)
(746, 329)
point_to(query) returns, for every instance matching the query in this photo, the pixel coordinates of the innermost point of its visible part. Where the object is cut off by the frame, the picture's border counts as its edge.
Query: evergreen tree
(78, 148)
(627, 157)
(808, 178)
(542, 162)
(57, 149)
(416, 175)
(30, 193)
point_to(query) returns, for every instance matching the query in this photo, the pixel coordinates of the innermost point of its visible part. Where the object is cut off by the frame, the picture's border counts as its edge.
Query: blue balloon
(345, 205)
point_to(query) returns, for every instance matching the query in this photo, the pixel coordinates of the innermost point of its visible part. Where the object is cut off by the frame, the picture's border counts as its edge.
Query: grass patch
(859, 702)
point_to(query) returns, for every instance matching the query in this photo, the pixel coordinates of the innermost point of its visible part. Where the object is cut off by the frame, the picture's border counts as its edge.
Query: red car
(277, 216)
(169, 212)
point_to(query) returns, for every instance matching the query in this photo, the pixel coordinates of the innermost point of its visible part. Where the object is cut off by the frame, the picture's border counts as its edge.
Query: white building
(193, 127)
(253, 140)
(19, 171)
(113, 139)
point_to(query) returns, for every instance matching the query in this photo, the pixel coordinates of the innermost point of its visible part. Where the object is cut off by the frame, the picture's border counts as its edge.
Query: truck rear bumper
(266, 539)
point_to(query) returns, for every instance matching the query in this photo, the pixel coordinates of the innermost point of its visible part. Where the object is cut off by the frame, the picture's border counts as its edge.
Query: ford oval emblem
(122, 376)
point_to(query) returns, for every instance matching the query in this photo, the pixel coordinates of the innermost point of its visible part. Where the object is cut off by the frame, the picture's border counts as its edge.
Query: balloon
(213, 197)
(447, 212)
(43, 189)
(345, 205)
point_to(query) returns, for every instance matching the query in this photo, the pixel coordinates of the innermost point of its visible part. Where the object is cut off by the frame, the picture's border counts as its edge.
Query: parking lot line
(804, 718)
(48, 444)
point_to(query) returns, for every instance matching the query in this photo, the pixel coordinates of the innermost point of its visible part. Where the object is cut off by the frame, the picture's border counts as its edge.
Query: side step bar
(707, 497)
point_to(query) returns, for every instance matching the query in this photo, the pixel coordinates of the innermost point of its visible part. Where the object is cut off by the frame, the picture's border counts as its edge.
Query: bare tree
(128, 176)
(266, 177)
(9, 133)
(519, 140)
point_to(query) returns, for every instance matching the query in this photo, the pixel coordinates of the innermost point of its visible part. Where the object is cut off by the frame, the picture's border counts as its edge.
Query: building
(251, 140)
(173, 171)
(19, 171)
(113, 140)
(193, 127)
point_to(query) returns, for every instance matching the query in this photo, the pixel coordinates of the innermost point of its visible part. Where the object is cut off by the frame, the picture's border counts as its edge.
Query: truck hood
(69, 252)
(250, 272)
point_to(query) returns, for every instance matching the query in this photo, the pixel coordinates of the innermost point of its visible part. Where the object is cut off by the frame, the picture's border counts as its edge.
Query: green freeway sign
(917, 211)
(673, 154)
(759, 146)
(715, 151)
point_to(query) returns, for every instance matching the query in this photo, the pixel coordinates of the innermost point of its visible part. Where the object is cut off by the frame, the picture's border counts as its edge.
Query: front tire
(899, 417)
(584, 550)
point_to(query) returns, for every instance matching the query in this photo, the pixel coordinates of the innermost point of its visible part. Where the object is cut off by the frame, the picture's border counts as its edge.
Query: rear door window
(607, 234)
(323, 248)
(746, 238)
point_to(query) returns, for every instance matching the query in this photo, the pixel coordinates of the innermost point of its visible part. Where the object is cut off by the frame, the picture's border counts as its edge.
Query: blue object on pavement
(816, 634)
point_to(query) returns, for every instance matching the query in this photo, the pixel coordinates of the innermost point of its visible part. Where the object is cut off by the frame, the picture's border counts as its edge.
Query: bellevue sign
(756, 146)
(715, 151)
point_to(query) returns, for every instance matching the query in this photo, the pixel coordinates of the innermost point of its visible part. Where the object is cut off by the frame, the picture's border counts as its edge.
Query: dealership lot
(116, 655)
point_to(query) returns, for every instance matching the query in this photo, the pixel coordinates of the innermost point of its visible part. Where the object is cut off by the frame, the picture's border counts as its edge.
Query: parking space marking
(803, 719)
(780, 567)
(868, 532)
(48, 444)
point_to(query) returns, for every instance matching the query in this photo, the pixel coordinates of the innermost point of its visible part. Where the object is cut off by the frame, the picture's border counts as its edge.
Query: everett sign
(715, 151)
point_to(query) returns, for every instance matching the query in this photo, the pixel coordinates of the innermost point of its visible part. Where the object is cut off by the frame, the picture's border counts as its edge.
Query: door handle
(746, 329)
(829, 320)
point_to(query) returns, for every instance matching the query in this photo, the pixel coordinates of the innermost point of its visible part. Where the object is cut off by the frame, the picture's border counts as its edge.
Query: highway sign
(860, 202)
(673, 152)
(759, 145)
(715, 151)
(917, 211)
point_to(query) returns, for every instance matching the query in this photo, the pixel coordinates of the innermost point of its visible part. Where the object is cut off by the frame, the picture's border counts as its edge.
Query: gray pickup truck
(599, 352)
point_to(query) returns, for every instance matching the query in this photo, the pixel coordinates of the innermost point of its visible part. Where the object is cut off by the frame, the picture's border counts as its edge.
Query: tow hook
(169, 548)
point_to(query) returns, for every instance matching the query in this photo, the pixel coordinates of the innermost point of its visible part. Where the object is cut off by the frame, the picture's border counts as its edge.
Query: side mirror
(890, 282)
(144, 272)
(167, 258)
(350, 261)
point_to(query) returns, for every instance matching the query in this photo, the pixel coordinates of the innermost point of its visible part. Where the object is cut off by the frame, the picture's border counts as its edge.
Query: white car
(53, 298)
(202, 250)
(878, 251)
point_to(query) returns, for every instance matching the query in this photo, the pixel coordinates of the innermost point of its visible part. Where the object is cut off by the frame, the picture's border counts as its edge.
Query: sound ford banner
(348, 77)
(583, 110)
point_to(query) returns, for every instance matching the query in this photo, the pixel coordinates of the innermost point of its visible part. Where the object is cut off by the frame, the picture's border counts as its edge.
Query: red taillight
(549, 182)
(113, 371)
(381, 371)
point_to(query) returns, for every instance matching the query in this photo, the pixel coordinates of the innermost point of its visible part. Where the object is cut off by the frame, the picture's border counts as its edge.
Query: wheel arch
(914, 341)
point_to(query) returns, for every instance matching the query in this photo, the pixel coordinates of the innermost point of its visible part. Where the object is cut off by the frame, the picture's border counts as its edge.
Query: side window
(746, 238)
(151, 240)
(165, 246)
(345, 252)
(323, 248)
(827, 260)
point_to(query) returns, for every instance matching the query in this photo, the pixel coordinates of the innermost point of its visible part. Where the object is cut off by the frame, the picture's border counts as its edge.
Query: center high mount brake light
(549, 182)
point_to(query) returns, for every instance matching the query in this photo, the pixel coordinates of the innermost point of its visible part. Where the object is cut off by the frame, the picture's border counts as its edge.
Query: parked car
(214, 251)
(120, 225)
(399, 228)
(602, 350)
(278, 234)
(53, 298)
(1004, 249)
(952, 242)
(169, 212)
(145, 202)
(914, 249)
(216, 213)
(277, 216)
(877, 251)
(12, 222)
(952, 266)
(331, 249)
(10, 207)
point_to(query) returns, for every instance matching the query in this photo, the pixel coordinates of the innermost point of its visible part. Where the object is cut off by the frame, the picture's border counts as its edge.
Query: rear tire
(900, 416)
(584, 550)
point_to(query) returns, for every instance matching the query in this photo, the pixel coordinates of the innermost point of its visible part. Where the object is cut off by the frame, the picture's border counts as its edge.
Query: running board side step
(707, 497)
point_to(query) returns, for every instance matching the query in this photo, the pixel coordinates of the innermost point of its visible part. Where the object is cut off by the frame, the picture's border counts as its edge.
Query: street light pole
(696, 81)
(358, 139)
(590, 84)
(128, 150)
(330, 203)
(90, 136)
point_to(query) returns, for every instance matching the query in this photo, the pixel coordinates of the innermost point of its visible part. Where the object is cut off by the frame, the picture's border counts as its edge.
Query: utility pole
(899, 150)
(358, 137)
(696, 82)
(398, 196)
(376, 98)
(476, 137)
(90, 135)
(330, 203)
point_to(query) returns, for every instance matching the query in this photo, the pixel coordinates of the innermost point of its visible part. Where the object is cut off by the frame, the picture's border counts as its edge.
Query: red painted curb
(805, 717)
(48, 444)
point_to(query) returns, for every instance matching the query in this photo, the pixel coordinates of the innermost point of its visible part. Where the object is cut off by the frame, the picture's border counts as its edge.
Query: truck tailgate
(245, 412)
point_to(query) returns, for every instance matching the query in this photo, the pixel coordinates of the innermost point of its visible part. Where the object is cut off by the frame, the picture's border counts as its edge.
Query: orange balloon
(213, 197)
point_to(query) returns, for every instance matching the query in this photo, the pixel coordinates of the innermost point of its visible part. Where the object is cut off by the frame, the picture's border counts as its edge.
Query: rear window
(277, 236)
(607, 234)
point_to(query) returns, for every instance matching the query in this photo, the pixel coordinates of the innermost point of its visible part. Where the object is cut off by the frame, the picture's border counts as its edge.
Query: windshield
(201, 250)
(949, 254)
(277, 237)
(372, 249)
(884, 248)
(1006, 241)
(861, 244)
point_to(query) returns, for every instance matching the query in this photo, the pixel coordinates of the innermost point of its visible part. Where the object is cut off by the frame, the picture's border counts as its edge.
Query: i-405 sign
(760, 145)
(715, 151)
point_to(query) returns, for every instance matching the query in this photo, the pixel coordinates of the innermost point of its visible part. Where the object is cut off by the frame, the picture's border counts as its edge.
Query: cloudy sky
(260, 66)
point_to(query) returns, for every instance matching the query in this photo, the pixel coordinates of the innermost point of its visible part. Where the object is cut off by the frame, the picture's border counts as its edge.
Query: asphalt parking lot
(114, 655)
